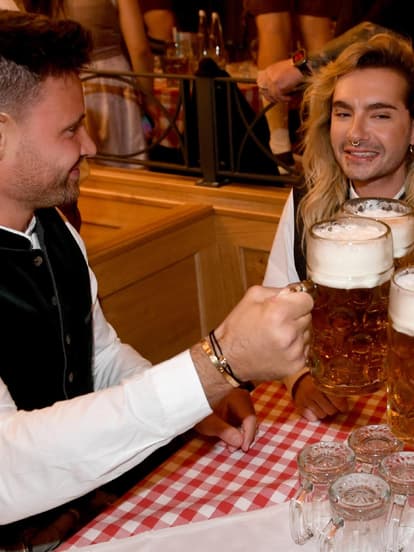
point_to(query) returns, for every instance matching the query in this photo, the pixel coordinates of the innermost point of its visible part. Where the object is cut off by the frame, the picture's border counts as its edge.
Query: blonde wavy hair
(326, 184)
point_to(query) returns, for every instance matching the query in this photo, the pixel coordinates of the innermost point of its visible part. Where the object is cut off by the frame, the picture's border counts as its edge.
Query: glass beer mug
(359, 503)
(371, 443)
(319, 464)
(397, 214)
(400, 379)
(350, 259)
(398, 470)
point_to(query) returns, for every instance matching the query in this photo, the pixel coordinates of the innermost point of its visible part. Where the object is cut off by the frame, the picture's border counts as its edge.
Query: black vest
(46, 327)
(299, 191)
(46, 315)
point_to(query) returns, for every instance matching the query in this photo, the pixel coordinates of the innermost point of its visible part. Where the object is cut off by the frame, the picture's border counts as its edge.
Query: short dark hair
(34, 47)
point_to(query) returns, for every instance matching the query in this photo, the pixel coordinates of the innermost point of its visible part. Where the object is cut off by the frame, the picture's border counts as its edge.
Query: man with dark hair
(78, 408)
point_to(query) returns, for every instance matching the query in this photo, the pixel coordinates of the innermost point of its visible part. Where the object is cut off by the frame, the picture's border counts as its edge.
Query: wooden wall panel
(173, 258)
(158, 315)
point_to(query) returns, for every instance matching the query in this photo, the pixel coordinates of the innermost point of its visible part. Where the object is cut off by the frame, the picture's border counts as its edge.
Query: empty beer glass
(350, 259)
(400, 380)
(359, 503)
(398, 470)
(371, 443)
(319, 464)
(397, 214)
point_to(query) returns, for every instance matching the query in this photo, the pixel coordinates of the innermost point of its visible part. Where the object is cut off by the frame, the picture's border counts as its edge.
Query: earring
(411, 148)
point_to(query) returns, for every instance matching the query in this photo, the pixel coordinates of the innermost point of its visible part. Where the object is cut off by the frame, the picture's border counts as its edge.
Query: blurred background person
(282, 27)
(8, 5)
(113, 108)
(356, 20)
(159, 20)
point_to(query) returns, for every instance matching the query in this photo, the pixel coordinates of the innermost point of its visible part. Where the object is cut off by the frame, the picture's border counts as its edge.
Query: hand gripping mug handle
(392, 527)
(299, 528)
(327, 535)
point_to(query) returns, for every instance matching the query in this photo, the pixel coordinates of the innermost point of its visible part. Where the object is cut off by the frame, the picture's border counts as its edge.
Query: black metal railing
(211, 130)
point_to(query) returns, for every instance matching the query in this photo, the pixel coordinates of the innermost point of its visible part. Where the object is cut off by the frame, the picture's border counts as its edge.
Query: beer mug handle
(305, 285)
(392, 527)
(326, 538)
(299, 527)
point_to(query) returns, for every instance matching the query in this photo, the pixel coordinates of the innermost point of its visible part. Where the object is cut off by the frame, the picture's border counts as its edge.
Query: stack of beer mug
(319, 464)
(363, 318)
(372, 443)
(343, 506)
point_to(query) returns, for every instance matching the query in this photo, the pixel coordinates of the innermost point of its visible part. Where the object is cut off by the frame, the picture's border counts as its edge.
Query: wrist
(301, 62)
(214, 385)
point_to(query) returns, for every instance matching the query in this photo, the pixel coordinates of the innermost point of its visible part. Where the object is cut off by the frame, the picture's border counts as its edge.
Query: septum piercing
(355, 143)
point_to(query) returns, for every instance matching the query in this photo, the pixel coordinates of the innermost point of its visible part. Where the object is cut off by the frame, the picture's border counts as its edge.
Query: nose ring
(355, 143)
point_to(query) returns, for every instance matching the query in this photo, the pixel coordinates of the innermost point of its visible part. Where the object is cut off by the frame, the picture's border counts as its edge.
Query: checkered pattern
(203, 481)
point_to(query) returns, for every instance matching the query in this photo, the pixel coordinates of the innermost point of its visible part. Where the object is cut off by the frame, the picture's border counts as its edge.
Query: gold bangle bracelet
(217, 364)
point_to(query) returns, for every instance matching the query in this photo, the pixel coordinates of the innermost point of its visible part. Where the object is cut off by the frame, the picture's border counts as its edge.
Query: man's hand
(233, 421)
(266, 336)
(278, 80)
(313, 404)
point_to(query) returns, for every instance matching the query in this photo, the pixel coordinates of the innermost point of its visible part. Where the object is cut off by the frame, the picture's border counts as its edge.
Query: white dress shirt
(55, 454)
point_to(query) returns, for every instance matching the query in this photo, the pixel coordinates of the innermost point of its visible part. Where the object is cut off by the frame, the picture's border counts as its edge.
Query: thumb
(214, 426)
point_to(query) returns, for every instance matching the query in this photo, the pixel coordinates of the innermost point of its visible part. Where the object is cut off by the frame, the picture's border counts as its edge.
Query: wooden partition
(172, 258)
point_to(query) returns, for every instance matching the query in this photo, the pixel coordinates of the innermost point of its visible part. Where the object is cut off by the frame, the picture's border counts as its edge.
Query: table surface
(203, 480)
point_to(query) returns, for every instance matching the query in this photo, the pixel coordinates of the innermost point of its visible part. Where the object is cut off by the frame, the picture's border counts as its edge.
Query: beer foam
(401, 304)
(348, 231)
(349, 253)
(378, 213)
(397, 214)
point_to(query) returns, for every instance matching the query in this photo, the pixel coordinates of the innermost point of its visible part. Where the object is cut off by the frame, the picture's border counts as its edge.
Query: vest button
(68, 339)
(37, 261)
(71, 377)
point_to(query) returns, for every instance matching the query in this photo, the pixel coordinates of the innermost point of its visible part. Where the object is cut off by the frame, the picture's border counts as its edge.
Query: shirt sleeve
(55, 454)
(281, 269)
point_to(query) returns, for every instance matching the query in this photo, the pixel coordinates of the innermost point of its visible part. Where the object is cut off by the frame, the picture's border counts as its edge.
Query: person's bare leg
(274, 31)
(315, 31)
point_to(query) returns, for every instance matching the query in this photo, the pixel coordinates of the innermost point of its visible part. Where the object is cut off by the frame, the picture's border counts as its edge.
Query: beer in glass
(397, 214)
(400, 380)
(350, 260)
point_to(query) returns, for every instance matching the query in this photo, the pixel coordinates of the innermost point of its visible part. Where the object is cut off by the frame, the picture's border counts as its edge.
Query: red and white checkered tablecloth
(203, 480)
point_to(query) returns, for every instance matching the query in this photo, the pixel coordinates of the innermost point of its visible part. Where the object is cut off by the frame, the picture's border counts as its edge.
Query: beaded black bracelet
(225, 365)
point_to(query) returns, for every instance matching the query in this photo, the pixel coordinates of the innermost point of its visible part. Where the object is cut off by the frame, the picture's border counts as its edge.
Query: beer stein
(319, 464)
(400, 378)
(397, 214)
(359, 504)
(371, 443)
(350, 259)
(398, 470)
